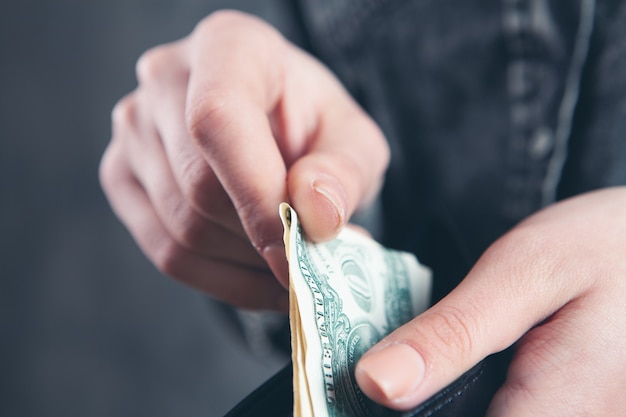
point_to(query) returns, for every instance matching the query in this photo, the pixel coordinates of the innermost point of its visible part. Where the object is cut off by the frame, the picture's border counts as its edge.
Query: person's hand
(558, 281)
(223, 126)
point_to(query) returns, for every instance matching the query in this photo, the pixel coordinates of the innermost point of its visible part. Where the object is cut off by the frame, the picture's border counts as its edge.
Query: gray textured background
(87, 326)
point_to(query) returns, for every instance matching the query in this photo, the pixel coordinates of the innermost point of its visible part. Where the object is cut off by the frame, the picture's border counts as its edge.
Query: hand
(558, 281)
(223, 126)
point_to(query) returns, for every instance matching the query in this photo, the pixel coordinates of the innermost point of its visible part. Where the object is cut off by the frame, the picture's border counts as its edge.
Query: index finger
(234, 86)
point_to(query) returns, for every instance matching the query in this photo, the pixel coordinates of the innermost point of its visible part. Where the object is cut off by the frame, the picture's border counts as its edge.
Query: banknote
(345, 295)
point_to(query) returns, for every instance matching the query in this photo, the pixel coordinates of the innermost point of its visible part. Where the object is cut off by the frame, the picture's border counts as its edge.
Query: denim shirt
(493, 109)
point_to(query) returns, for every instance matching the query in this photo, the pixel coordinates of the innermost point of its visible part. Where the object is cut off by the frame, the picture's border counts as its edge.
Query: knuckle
(218, 18)
(169, 258)
(221, 20)
(453, 331)
(108, 168)
(189, 226)
(123, 114)
(192, 235)
(208, 114)
(201, 189)
(153, 64)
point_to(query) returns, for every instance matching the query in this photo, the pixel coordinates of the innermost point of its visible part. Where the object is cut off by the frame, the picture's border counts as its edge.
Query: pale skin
(233, 119)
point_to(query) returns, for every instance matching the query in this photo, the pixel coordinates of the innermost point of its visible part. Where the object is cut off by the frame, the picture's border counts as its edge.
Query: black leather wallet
(468, 396)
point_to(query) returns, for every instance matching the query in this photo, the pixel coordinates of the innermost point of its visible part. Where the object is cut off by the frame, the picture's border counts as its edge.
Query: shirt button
(541, 143)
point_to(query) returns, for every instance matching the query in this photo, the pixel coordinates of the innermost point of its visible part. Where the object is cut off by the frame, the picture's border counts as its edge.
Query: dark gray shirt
(493, 109)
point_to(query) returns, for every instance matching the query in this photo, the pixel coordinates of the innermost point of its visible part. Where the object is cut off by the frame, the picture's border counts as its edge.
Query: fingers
(500, 300)
(342, 171)
(221, 118)
(224, 280)
(572, 365)
(227, 106)
(270, 109)
(562, 270)
(163, 75)
(147, 160)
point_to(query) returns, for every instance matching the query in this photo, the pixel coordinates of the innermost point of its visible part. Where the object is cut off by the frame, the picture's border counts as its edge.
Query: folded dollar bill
(345, 295)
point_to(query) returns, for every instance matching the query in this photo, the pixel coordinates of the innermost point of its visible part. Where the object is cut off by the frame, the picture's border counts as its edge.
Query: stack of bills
(345, 295)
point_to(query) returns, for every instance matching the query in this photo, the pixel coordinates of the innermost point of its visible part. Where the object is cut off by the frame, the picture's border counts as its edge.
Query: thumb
(342, 171)
(501, 299)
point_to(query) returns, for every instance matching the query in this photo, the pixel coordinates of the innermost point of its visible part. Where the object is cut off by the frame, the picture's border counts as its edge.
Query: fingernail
(396, 371)
(328, 187)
